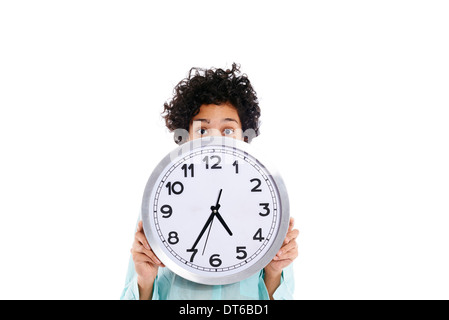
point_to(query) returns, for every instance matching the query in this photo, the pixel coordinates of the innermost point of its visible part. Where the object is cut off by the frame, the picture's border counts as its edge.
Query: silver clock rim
(154, 242)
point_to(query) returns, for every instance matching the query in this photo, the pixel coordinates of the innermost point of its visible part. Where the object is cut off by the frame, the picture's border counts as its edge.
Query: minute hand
(211, 217)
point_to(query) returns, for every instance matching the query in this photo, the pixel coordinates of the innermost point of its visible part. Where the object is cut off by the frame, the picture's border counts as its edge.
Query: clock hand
(217, 206)
(217, 214)
(215, 209)
(207, 237)
(223, 223)
(209, 220)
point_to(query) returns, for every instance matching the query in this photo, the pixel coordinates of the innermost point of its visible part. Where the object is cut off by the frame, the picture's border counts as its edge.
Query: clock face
(213, 213)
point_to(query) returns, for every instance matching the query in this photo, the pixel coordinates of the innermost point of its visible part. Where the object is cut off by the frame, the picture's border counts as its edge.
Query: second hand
(214, 213)
(207, 237)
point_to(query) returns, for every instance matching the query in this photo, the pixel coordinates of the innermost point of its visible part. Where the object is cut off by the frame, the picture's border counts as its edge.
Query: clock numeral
(186, 168)
(166, 211)
(258, 183)
(236, 165)
(258, 235)
(215, 165)
(241, 250)
(193, 254)
(175, 187)
(173, 237)
(267, 210)
(215, 261)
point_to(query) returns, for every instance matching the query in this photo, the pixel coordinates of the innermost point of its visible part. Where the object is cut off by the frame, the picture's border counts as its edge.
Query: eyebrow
(223, 120)
(202, 120)
(229, 119)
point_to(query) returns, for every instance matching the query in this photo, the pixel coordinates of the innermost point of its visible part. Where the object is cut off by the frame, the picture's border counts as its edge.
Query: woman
(210, 102)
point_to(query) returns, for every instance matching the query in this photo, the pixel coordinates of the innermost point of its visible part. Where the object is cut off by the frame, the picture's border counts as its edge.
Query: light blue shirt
(170, 286)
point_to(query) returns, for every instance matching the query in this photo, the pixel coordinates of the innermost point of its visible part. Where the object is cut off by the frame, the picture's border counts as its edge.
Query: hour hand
(223, 223)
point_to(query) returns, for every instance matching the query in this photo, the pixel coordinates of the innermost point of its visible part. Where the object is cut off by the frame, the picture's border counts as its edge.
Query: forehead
(211, 113)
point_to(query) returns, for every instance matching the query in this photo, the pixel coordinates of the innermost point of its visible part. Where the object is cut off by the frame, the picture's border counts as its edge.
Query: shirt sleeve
(131, 290)
(285, 289)
(156, 288)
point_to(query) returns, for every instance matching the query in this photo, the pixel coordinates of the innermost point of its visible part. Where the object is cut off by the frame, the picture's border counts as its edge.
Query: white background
(354, 98)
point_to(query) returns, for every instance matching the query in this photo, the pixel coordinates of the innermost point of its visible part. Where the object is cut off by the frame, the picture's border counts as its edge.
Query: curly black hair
(212, 86)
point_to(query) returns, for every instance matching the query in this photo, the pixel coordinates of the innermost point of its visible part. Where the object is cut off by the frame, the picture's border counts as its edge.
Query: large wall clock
(213, 212)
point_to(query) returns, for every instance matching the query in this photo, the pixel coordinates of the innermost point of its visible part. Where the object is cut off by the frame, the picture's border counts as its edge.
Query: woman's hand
(145, 262)
(288, 251)
(284, 257)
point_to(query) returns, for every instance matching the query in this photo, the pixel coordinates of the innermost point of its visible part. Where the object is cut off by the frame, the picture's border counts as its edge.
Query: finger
(140, 249)
(292, 235)
(140, 257)
(292, 245)
(153, 257)
(291, 224)
(290, 255)
(286, 248)
(140, 236)
(285, 259)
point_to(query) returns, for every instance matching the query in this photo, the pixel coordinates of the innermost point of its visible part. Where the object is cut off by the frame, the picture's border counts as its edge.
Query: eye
(228, 131)
(202, 131)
